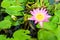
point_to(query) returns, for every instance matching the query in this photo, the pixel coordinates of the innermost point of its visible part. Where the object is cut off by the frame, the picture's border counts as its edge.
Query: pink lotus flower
(39, 16)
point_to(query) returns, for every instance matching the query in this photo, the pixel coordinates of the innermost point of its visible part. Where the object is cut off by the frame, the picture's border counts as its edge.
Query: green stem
(25, 17)
(41, 2)
(37, 1)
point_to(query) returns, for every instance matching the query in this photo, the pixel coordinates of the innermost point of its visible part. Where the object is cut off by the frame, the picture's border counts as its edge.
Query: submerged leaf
(15, 10)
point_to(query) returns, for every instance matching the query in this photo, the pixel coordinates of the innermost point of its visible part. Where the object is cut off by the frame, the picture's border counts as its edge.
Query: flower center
(40, 17)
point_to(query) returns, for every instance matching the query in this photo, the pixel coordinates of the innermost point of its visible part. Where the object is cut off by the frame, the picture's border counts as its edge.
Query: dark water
(51, 1)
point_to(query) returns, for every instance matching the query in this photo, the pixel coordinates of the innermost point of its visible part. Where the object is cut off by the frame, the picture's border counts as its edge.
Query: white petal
(41, 24)
(35, 22)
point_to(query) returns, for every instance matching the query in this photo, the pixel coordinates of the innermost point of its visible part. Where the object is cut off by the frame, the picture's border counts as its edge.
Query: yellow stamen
(40, 17)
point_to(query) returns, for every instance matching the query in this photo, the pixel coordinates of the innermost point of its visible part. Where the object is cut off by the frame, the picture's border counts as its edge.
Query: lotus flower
(39, 16)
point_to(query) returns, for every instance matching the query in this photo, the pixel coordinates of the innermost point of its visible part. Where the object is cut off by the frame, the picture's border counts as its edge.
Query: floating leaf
(57, 13)
(57, 6)
(7, 18)
(2, 37)
(21, 33)
(38, 25)
(46, 35)
(21, 1)
(57, 32)
(5, 24)
(14, 10)
(9, 39)
(5, 4)
(55, 19)
(50, 26)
